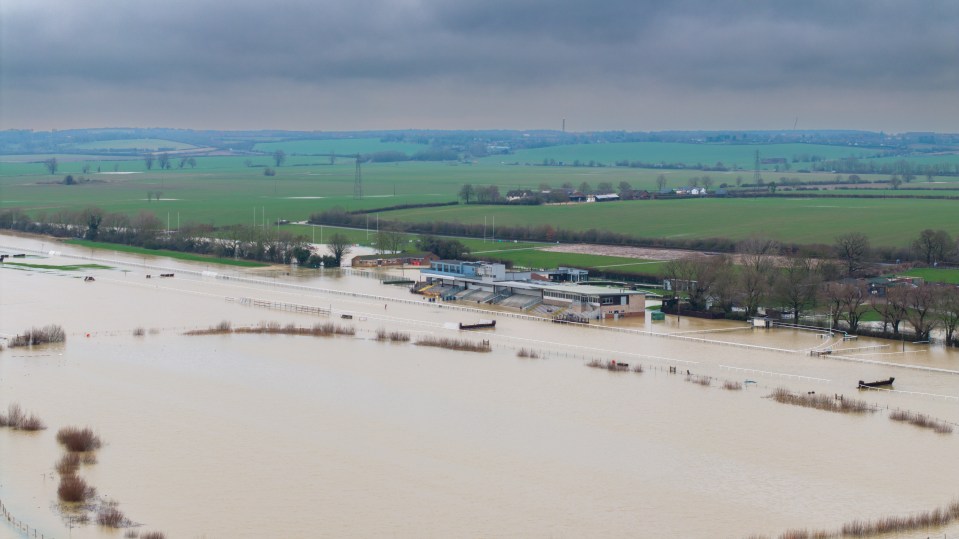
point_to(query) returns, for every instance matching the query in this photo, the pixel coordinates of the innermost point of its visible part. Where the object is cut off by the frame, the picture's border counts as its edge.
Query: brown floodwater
(282, 436)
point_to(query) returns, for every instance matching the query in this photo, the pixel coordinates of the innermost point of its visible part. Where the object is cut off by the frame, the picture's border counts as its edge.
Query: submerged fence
(21, 526)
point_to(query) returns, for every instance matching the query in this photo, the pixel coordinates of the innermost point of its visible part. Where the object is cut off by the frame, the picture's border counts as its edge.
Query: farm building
(400, 259)
(548, 291)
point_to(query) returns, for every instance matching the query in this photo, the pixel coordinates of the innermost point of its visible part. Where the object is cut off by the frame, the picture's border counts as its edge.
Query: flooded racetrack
(293, 436)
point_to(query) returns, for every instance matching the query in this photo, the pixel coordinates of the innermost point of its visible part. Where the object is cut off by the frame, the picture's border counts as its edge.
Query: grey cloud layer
(496, 44)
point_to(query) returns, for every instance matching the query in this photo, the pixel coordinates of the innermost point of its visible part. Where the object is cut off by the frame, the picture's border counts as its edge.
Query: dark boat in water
(877, 383)
(482, 324)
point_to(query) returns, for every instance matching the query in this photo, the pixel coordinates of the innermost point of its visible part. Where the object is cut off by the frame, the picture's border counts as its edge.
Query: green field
(887, 222)
(935, 275)
(225, 190)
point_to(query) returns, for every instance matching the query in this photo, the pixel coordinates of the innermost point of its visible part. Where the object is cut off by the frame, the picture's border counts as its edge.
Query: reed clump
(51, 333)
(392, 336)
(139, 332)
(806, 534)
(17, 419)
(921, 421)
(830, 403)
(223, 328)
(68, 464)
(732, 385)
(610, 365)
(940, 516)
(152, 535)
(528, 353)
(74, 489)
(325, 329)
(700, 379)
(78, 440)
(461, 345)
(112, 518)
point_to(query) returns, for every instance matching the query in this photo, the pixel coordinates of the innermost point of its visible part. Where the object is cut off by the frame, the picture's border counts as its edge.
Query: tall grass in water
(461, 345)
(732, 385)
(139, 332)
(700, 379)
(17, 419)
(112, 518)
(528, 353)
(47, 334)
(610, 365)
(152, 535)
(68, 464)
(222, 328)
(392, 336)
(325, 329)
(921, 421)
(74, 489)
(78, 440)
(831, 403)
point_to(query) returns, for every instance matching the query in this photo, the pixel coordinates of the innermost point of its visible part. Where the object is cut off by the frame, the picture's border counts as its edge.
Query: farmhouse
(386, 260)
(543, 291)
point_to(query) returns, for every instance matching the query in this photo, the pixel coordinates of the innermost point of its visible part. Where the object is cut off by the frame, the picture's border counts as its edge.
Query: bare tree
(854, 304)
(892, 308)
(831, 294)
(164, 161)
(852, 249)
(339, 246)
(51, 165)
(756, 273)
(796, 285)
(625, 190)
(279, 156)
(948, 312)
(389, 240)
(933, 245)
(661, 182)
(192, 162)
(921, 301)
(467, 192)
(148, 161)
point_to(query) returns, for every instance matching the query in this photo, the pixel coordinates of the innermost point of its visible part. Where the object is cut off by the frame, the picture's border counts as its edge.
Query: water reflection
(253, 435)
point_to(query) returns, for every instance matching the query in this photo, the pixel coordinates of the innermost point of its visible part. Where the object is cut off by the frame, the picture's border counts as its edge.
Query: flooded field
(245, 435)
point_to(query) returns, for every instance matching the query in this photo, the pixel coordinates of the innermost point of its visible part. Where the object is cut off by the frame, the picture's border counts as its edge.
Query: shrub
(455, 344)
(17, 419)
(34, 336)
(111, 517)
(78, 440)
(68, 464)
(74, 489)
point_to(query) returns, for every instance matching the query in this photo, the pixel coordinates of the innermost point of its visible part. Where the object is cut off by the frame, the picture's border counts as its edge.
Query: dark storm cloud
(492, 47)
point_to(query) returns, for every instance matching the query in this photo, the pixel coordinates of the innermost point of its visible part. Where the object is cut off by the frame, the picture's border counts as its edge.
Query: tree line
(800, 285)
(146, 230)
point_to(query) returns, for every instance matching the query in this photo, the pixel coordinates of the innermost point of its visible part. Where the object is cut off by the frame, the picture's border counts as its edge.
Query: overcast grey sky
(635, 65)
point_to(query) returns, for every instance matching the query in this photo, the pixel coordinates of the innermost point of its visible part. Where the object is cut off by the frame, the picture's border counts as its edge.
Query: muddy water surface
(279, 436)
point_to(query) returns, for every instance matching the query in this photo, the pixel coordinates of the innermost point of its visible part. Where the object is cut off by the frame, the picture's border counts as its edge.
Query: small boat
(877, 383)
(482, 324)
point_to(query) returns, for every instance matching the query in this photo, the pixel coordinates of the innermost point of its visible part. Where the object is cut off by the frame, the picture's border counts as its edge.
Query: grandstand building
(544, 292)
